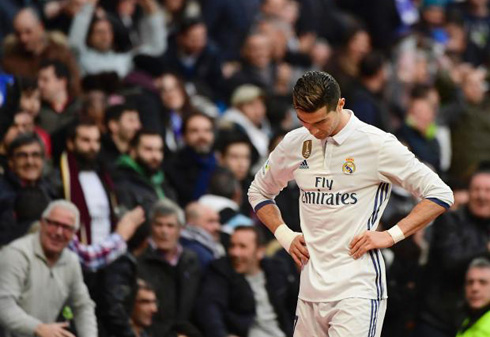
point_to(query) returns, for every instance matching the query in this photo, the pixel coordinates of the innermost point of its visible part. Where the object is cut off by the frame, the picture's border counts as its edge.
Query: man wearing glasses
(40, 276)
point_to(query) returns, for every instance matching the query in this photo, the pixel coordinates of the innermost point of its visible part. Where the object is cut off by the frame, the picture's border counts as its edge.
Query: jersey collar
(351, 125)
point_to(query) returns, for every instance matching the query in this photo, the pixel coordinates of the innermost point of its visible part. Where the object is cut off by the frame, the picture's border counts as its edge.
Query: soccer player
(345, 170)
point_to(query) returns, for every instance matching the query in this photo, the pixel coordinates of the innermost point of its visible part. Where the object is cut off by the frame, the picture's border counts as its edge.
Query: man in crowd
(190, 169)
(38, 269)
(245, 294)
(202, 233)
(172, 270)
(87, 184)
(477, 292)
(144, 308)
(457, 238)
(122, 122)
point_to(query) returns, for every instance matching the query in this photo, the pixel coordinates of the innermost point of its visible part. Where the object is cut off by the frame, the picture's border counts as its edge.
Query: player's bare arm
(421, 215)
(270, 215)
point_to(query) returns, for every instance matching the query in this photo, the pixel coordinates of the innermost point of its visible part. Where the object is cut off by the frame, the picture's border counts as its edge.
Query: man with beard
(87, 184)
(122, 122)
(191, 168)
(139, 177)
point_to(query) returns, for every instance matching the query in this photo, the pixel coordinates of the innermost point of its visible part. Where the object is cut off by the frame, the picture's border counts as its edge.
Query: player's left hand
(369, 240)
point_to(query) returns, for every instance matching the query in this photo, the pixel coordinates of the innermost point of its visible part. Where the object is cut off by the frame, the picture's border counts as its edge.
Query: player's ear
(341, 104)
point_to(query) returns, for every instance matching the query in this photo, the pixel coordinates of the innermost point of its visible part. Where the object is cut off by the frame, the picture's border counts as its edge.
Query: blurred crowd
(130, 131)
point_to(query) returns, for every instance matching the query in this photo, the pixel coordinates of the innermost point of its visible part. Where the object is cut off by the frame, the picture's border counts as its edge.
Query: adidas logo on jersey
(304, 165)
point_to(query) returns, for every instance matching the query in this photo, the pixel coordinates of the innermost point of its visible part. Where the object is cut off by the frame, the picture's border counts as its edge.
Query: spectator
(59, 107)
(171, 270)
(24, 192)
(87, 184)
(98, 54)
(418, 132)
(225, 197)
(469, 132)
(245, 294)
(24, 52)
(144, 308)
(139, 177)
(190, 170)
(367, 97)
(202, 233)
(38, 269)
(477, 293)
(457, 237)
(195, 60)
(249, 115)
(122, 122)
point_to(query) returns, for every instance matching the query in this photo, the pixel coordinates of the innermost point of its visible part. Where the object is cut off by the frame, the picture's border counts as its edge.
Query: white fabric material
(265, 323)
(396, 233)
(352, 317)
(343, 192)
(285, 236)
(98, 205)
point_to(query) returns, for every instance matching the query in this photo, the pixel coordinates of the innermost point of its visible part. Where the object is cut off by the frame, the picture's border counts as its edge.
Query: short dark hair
(259, 235)
(371, 64)
(314, 90)
(141, 133)
(227, 138)
(22, 140)
(190, 23)
(420, 91)
(82, 122)
(223, 183)
(60, 69)
(483, 168)
(115, 112)
(143, 285)
(193, 114)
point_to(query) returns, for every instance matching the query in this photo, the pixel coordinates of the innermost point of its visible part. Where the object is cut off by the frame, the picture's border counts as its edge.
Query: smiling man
(39, 269)
(245, 294)
(477, 289)
(345, 170)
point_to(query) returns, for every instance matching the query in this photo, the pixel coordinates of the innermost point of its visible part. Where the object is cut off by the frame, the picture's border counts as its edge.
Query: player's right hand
(299, 251)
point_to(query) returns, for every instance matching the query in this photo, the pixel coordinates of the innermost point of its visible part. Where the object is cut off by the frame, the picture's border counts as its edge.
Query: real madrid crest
(349, 167)
(307, 148)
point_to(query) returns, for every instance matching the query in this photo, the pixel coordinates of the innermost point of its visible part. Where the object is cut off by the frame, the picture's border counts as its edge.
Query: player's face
(322, 123)
(478, 287)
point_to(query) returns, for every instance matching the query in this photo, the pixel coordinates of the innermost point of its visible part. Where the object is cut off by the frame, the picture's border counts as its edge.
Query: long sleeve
(153, 34)
(83, 307)
(79, 28)
(400, 166)
(14, 268)
(272, 177)
(96, 256)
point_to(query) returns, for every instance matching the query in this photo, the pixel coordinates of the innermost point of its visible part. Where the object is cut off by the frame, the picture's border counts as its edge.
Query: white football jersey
(345, 182)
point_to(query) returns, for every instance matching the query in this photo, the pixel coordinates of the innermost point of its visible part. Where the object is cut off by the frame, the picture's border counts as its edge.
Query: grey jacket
(32, 293)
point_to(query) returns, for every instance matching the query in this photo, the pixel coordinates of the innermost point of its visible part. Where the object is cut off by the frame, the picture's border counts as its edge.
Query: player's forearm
(421, 215)
(270, 216)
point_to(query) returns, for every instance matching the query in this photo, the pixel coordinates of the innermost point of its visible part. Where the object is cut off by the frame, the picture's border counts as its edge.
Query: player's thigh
(310, 320)
(357, 317)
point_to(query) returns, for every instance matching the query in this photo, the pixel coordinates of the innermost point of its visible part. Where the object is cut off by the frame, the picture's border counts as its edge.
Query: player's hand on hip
(369, 240)
(299, 251)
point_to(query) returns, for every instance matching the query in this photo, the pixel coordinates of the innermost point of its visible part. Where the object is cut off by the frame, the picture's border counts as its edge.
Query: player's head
(314, 90)
(316, 98)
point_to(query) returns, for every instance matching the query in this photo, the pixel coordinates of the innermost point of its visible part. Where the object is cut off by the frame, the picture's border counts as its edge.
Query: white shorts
(351, 317)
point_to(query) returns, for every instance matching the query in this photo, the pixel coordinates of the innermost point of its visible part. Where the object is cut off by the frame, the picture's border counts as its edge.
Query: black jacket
(226, 303)
(21, 205)
(457, 238)
(176, 287)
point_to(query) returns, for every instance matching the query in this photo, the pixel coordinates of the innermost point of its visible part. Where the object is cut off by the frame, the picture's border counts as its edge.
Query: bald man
(31, 44)
(202, 232)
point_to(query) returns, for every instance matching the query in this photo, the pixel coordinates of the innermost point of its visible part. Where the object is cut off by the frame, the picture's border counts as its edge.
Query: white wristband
(285, 236)
(396, 233)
